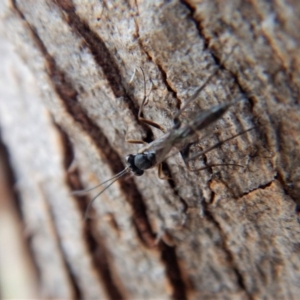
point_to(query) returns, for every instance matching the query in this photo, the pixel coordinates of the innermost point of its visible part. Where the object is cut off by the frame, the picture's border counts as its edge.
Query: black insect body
(154, 153)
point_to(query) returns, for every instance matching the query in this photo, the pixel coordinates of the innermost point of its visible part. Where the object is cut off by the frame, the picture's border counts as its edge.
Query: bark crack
(66, 264)
(101, 260)
(286, 188)
(160, 67)
(216, 59)
(101, 54)
(239, 276)
(68, 96)
(102, 57)
(10, 182)
(168, 256)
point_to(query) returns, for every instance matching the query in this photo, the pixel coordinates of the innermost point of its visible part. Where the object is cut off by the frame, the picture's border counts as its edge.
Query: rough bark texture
(67, 104)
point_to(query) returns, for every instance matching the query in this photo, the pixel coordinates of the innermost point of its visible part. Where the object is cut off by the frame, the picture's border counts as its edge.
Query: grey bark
(71, 86)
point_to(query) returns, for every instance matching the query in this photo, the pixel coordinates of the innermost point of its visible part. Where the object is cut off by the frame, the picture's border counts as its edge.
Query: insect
(154, 153)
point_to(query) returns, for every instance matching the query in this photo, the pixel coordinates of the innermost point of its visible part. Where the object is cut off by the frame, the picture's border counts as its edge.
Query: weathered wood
(69, 101)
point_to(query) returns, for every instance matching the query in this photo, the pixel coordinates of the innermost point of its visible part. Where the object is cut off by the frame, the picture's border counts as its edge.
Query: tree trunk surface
(70, 90)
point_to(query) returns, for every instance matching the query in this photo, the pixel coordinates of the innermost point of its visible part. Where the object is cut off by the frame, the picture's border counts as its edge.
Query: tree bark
(71, 87)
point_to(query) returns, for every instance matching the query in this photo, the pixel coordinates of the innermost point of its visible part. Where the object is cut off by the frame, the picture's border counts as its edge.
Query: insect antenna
(114, 179)
(84, 192)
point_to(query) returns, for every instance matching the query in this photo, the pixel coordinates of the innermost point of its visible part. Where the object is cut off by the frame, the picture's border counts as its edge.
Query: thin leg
(165, 237)
(135, 142)
(144, 103)
(161, 174)
(186, 151)
(132, 77)
(207, 166)
(213, 165)
(217, 145)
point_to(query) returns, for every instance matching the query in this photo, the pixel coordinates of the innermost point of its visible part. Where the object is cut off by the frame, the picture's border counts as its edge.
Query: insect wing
(162, 146)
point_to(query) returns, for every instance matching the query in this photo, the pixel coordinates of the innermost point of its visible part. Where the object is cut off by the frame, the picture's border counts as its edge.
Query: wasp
(178, 136)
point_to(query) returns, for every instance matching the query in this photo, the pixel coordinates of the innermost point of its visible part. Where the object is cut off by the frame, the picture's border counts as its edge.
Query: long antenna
(84, 192)
(115, 178)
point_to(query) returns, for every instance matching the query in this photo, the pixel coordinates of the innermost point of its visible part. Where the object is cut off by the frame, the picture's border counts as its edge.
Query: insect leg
(188, 159)
(161, 174)
(132, 77)
(218, 144)
(185, 154)
(136, 141)
(214, 165)
(145, 101)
